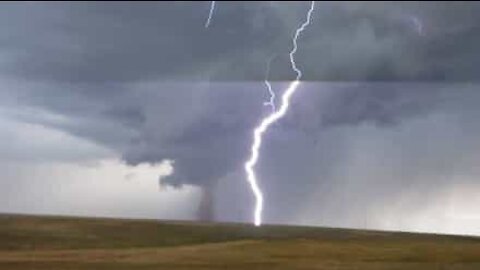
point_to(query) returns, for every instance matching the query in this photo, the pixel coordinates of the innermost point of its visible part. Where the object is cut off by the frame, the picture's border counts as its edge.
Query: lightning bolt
(270, 119)
(212, 8)
(271, 102)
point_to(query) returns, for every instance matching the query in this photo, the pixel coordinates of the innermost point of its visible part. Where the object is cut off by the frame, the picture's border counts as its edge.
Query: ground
(29, 242)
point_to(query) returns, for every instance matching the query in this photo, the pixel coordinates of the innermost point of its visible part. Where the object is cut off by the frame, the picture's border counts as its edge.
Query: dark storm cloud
(126, 41)
(136, 77)
(193, 124)
(383, 104)
(205, 144)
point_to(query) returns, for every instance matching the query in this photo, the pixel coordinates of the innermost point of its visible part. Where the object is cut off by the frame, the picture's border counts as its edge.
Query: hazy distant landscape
(32, 242)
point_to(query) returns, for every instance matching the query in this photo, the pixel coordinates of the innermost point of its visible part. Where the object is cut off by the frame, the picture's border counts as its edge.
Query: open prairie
(33, 242)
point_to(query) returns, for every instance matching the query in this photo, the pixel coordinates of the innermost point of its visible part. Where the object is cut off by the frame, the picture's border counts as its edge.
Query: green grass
(29, 242)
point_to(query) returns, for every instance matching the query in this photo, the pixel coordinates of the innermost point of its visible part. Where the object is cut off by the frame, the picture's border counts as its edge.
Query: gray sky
(99, 101)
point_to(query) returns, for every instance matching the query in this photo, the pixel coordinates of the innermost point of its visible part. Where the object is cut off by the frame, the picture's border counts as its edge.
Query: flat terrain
(28, 242)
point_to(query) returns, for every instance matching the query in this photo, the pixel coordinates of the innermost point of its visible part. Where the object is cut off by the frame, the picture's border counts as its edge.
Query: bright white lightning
(270, 119)
(210, 14)
(295, 37)
(271, 101)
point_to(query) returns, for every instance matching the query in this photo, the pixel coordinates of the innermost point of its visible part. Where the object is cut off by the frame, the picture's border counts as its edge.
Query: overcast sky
(135, 109)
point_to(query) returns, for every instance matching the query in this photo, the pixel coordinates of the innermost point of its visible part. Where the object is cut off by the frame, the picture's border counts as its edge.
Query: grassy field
(28, 242)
